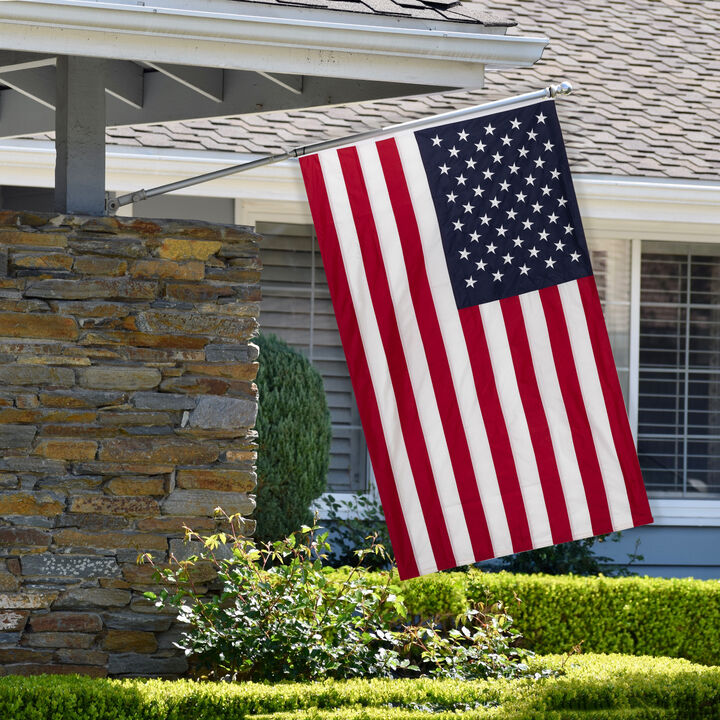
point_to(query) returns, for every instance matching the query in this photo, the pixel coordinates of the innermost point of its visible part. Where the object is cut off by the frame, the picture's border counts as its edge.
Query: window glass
(679, 383)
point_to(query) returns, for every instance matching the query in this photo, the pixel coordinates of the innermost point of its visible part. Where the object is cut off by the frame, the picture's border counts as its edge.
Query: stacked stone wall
(126, 407)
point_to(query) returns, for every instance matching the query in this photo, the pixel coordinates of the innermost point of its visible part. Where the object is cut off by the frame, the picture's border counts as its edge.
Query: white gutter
(341, 47)
(633, 202)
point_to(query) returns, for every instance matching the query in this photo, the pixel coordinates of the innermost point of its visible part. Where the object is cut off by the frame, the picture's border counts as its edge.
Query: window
(296, 306)
(679, 371)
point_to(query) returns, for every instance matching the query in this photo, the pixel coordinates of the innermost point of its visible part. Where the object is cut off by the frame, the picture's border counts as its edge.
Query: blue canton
(505, 204)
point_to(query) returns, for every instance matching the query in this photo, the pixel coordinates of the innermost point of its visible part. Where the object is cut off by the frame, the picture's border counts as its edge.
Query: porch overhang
(329, 44)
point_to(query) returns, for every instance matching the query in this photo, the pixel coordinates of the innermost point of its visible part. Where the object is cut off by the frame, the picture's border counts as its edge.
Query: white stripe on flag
(518, 431)
(594, 399)
(415, 357)
(558, 423)
(455, 347)
(376, 361)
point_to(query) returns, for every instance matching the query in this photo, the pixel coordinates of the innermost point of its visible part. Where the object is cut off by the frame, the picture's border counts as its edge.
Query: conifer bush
(293, 426)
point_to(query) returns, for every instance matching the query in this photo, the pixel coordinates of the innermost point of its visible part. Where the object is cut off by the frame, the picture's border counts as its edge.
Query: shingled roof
(646, 101)
(443, 10)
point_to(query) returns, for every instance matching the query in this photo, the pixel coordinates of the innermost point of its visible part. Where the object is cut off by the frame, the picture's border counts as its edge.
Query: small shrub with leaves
(277, 613)
(351, 523)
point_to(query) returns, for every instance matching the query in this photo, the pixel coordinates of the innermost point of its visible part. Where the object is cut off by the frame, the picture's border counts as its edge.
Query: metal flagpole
(113, 204)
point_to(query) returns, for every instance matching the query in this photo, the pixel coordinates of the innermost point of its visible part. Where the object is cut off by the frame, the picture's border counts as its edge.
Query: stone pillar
(126, 407)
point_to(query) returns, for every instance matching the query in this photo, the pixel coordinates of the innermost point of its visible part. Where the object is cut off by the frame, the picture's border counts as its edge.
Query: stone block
(127, 418)
(168, 270)
(80, 398)
(196, 385)
(216, 479)
(36, 375)
(89, 265)
(165, 451)
(113, 377)
(112, 246)
(16, 436)
(181, 249)
(198, 292)
(102, 598)
(42, 261)
(110, 540)
(33, 465)
(18, 503)
(23, 655)
(13, 620)
(46, 326)
(177, 343)
(204, 502)
(67, 449)
(82, 566)
(8, 582)
(66, 622)
(27, 600)
(176, 524)
(24, 537)
(146, 665)
(185, 323)
(20, 237)
(77, 289)
(231, 353)
(91, 521)
(232, 371)
(120, 468)
(162, 401)
(52, 669)
(114, 505)
(135, 641)
(58, 640)
(136, 486)
(223, 412)
(81, 657)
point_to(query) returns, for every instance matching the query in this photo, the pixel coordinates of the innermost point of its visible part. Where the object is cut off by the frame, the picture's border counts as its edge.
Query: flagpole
(114, 204)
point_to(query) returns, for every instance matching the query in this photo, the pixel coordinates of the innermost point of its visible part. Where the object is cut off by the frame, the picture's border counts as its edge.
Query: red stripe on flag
(357, 363)
(577, 414)
(536, 420)
(434, 346)
(622, 436)
(387, 324)
(496, 429)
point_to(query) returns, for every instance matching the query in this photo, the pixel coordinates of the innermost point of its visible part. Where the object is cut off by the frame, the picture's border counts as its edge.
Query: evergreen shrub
(597, 687)
(293, 426)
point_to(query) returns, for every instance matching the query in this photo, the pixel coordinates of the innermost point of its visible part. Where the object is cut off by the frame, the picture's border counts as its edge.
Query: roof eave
(334, 45)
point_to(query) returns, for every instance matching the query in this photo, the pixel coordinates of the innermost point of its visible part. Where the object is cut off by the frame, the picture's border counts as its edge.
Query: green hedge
(293, 426)
(634, 615)
(591, 686)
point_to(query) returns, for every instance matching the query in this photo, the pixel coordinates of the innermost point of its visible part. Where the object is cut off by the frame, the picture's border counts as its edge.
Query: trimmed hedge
(590, 686)
(633, 615)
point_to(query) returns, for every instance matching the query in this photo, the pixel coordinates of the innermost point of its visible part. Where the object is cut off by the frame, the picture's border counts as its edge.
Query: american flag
(464, 295)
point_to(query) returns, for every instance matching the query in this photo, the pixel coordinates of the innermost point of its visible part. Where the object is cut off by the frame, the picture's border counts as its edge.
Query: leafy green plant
(277, 613)
(293, 426)
(351, 523)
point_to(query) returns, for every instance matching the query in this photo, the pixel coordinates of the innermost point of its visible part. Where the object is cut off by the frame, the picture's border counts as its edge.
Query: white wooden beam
(12, 60)
(292, 83)
(124, 81)
(206, 81)
(38, 84)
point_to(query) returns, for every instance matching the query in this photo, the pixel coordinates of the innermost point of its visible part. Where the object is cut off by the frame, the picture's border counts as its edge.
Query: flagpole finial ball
(564, 88)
